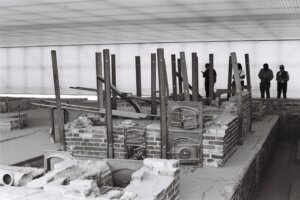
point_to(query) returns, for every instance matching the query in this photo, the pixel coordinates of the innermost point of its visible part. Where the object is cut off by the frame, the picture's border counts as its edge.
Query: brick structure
(158, 179)
(153, 141)
(13, 122)
(219, 140)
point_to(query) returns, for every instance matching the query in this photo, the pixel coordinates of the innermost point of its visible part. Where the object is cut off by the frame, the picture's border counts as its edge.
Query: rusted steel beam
(184, 77)
(179, 76)
(174, 79)
(138, 76)
(163, 102)
(211, 76)
(114, 81)
(99, 83)
(195, 78)
(60, 118)
(153, 84)
(108, 117)
(229, 78)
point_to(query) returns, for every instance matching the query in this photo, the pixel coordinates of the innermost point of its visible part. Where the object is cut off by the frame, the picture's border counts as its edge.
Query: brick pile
(13, 122)
(158, 179)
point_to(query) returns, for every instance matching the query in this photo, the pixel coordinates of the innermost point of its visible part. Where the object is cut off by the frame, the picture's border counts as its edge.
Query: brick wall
(219, 140)
(250, 183)
(84, 139)
(289, 112)
(153, 145)
(13, 122)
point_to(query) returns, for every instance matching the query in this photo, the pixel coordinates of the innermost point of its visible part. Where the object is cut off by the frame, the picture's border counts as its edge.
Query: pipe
(6, 178)
(21, 179)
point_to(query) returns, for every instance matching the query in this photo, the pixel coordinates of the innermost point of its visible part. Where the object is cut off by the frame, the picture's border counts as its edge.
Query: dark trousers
(281, 87)
(265, 88)
(207, 88)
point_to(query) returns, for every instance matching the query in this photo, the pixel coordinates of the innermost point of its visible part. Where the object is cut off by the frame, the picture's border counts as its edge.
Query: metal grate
(105, 189)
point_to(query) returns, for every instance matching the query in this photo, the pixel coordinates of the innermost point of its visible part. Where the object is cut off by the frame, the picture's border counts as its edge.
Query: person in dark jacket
(265, 75)
(206, 77)
(282, 77)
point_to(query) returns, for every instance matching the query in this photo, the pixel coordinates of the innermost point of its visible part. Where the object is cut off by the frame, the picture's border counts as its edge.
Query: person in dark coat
(282, 77)
(265, 75)
(206, 77)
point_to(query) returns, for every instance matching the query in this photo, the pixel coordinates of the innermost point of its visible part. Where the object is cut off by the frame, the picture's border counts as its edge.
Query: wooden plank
(179, 76)
(114, 81)
(166, 81)
(238, 93)
(138, 76)
(184, 77)
(163, 103)
(99, 83)
(59, 119)
(108, 116)
(229, 78)
(153, 84)
(195, 78)
(174, 82)
(211, 76)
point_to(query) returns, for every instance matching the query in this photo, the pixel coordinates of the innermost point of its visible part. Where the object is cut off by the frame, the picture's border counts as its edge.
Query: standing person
(265, 75)
(241, 74)
(282, 78)
(206, 77)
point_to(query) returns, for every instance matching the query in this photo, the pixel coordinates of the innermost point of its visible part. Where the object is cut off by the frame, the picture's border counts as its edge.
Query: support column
(99, 83)
(153, 84)
(195, 78)
(249, 86)
(229, 78)
(108, 117)
(238, 94)
(173, 58)
(184, 77)
(211, 76)
(114, 81)
(60, 118)
(138, 76)
(163, 103)
(52, 125)
(180, 75)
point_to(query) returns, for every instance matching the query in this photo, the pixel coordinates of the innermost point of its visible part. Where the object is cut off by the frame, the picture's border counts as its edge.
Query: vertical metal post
(163, 103)
(211, 76)
(60, 118)
(52, 125)
(109, 127)
(229, 78)
(247, 64)
(195, 78)
(153, 84)
(113, 80)
(99, 83)
(174, 82)
(184, 77)
(238, 94)
(179, 73)
(138, 76)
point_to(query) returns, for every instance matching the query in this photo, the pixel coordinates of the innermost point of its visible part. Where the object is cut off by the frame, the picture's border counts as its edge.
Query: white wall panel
(28, 70)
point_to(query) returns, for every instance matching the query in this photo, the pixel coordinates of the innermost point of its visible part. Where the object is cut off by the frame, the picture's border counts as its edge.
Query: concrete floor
(281, 173)
(31, 142)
